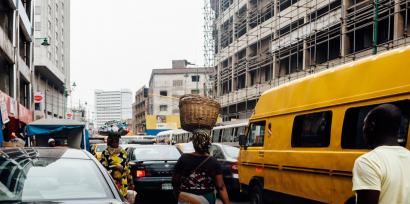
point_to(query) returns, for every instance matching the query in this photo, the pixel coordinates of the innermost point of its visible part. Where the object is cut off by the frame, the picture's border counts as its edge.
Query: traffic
(299, 146)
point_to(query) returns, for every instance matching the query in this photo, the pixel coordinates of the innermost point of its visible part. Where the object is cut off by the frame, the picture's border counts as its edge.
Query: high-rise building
(16, 67)
(256, 45)
(52, 63)
(112, 105)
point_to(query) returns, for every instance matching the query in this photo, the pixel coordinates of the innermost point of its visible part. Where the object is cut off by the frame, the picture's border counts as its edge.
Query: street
(168, 199)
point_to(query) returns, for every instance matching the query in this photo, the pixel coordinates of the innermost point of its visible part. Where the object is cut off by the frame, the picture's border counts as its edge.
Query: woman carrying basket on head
(114, 159)
(197, 175)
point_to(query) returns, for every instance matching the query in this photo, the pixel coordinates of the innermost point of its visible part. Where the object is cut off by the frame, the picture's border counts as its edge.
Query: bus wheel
(256, 195)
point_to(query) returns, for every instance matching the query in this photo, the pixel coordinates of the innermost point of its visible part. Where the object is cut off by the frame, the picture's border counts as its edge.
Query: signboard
(12, 103)
(161, 119)
(69, 115)
(3, 109)
(167, 126)
(39, 105)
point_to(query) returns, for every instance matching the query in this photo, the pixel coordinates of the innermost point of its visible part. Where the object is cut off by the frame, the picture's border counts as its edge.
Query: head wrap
(51, 140)
(201, 140)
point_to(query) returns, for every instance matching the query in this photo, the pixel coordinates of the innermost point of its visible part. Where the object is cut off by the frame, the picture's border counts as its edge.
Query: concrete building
(16, 62)
(52, 63)
(255, 45)
(112, 105)
(175, 82)
(139, 108)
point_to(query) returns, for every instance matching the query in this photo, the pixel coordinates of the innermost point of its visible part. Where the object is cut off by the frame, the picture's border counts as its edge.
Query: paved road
(149, 198)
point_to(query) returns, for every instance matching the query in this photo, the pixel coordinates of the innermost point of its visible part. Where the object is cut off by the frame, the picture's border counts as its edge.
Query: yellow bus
(304, 136)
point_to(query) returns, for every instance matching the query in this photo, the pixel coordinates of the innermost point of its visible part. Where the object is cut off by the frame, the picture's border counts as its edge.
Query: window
(56, 36)
(56, 50)
(62, 58)
(49, 25)
(193, 91)
(62, 45)
(216, 136)
(312, 130)
(49, 9)
(62, 32)
(352, 132)
(163, 93)
(238, 131)
(37, 26)
(177, 83)
(227, 135)
(256, 134)
(163, 107)
(195, 78)
(216, 152)
(56, 22)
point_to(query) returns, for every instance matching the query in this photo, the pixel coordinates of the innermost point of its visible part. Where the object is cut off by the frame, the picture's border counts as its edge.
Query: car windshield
(46, 179)
(231, 151)
(187, 148)
(156, 153)
(101, 148)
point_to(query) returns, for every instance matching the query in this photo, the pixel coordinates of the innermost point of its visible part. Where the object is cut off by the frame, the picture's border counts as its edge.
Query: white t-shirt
(386, 169)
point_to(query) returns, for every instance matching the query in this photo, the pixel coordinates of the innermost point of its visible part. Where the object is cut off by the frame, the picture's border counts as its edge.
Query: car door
(252, 156)
(216, 152)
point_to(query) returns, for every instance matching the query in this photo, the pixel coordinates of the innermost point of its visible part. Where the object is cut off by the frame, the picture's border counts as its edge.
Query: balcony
(6, 46)
(24, 20)
(24, 69)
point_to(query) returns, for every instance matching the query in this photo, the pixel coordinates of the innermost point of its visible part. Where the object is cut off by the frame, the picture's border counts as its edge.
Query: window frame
(248, 128)
(330, 129)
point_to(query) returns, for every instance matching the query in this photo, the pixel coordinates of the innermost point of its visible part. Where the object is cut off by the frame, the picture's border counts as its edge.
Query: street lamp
(45, 42)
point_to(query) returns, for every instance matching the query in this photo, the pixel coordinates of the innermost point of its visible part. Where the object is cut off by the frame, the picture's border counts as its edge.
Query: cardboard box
(12, 144)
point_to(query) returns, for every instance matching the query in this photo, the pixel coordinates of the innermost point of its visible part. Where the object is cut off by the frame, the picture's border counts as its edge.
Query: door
(252, 156)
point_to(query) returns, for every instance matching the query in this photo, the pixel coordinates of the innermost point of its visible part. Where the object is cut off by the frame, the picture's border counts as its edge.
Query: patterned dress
(118, 158)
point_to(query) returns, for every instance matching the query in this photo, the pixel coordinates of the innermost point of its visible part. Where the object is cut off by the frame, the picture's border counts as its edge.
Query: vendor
(114, 159)
(51, 142)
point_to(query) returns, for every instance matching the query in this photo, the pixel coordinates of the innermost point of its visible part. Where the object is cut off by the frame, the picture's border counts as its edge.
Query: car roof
(43, 152)
(145, 146)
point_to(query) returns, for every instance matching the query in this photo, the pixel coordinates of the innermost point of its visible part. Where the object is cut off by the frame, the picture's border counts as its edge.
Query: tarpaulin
(48, 129)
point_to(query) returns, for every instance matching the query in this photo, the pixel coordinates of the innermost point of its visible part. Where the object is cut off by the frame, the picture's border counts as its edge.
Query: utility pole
(64, 95)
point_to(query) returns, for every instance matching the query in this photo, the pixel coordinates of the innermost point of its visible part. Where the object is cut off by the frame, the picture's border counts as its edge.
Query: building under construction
(254, 45)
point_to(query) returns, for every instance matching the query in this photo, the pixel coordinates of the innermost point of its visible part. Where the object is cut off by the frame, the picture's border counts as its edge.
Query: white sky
(116, 43)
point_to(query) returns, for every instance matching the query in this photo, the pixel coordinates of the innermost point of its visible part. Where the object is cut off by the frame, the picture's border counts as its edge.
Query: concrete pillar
(45, 100)
(398, 23)
(345, 46)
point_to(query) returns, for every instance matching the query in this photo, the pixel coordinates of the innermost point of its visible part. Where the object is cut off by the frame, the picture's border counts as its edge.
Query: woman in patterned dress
(114, 159)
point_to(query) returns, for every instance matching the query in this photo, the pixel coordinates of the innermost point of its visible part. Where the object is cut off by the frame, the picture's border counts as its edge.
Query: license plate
(167, 186)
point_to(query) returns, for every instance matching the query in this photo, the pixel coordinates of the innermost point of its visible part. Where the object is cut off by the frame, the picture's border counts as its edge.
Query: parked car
(152, 167)
(54, 175)
(227, 156)
(97, 149)
(186, 147)
(141, 141)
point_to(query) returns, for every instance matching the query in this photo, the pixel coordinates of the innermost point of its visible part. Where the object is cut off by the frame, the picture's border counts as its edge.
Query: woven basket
(12, 144)
(197, 111)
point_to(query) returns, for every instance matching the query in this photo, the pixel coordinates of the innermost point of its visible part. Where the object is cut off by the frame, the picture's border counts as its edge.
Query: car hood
(108, 201)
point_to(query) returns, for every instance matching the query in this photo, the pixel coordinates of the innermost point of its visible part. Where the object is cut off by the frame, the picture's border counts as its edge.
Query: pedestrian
(51, 142)
(20, 134)
(197, 175)
(382, 175)
(115, 161)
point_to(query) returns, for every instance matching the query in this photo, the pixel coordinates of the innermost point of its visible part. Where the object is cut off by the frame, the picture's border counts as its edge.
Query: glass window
(312, 130)
(238, 131)
(231, 151)
(216, 136)
(188, 148)
(163, 93)
(156, 153)
(92, 148)
(352, 132)
(256, 134)
(101, 148)
(213, 150)
(195, 78)
(227, 135)
(31, 180)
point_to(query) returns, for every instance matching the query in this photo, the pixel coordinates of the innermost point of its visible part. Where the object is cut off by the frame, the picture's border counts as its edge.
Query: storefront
(17, 116)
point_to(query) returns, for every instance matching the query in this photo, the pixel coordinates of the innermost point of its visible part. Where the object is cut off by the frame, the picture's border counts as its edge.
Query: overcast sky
(116, 43)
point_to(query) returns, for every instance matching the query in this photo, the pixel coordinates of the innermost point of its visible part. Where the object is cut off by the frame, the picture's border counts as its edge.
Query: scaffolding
(259, 44)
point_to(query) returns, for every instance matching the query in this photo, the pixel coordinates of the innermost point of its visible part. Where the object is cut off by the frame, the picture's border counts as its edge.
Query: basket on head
(197, 111)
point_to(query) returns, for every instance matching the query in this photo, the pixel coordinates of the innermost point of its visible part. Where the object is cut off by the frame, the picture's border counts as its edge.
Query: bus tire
(256, 195)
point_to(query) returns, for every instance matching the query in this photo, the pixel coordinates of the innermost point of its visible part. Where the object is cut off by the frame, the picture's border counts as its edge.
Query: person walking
(114, 159)
(197, 175)
(382, 175)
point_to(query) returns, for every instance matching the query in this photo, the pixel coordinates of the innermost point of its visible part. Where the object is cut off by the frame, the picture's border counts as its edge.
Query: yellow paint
(373, 80)
(151, 121)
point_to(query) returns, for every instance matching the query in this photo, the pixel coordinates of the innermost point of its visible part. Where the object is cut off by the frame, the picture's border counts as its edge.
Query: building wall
(126, 104)
(261, 44)
(112, 105)
(52, 63)
(139, 111)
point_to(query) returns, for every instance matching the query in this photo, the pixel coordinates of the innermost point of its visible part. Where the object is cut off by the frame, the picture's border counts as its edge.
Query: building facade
(110, 105)
(52, 63)
(139, 108)
(168, 84)
(256, 45)
(16, 63)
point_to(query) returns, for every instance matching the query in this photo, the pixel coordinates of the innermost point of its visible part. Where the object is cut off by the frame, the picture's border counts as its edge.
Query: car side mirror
(242, 140)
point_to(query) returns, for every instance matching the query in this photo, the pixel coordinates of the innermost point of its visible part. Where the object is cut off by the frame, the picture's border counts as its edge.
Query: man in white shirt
(382, 175)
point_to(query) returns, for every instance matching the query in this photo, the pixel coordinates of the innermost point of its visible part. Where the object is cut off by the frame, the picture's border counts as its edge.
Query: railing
(25, 20)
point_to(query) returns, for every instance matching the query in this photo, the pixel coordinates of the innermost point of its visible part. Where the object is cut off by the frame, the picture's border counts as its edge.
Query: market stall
(66, 133)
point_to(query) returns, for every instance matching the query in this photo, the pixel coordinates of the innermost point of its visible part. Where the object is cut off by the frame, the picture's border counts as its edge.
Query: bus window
(216, 136)
(238, 131)
(227, 134)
